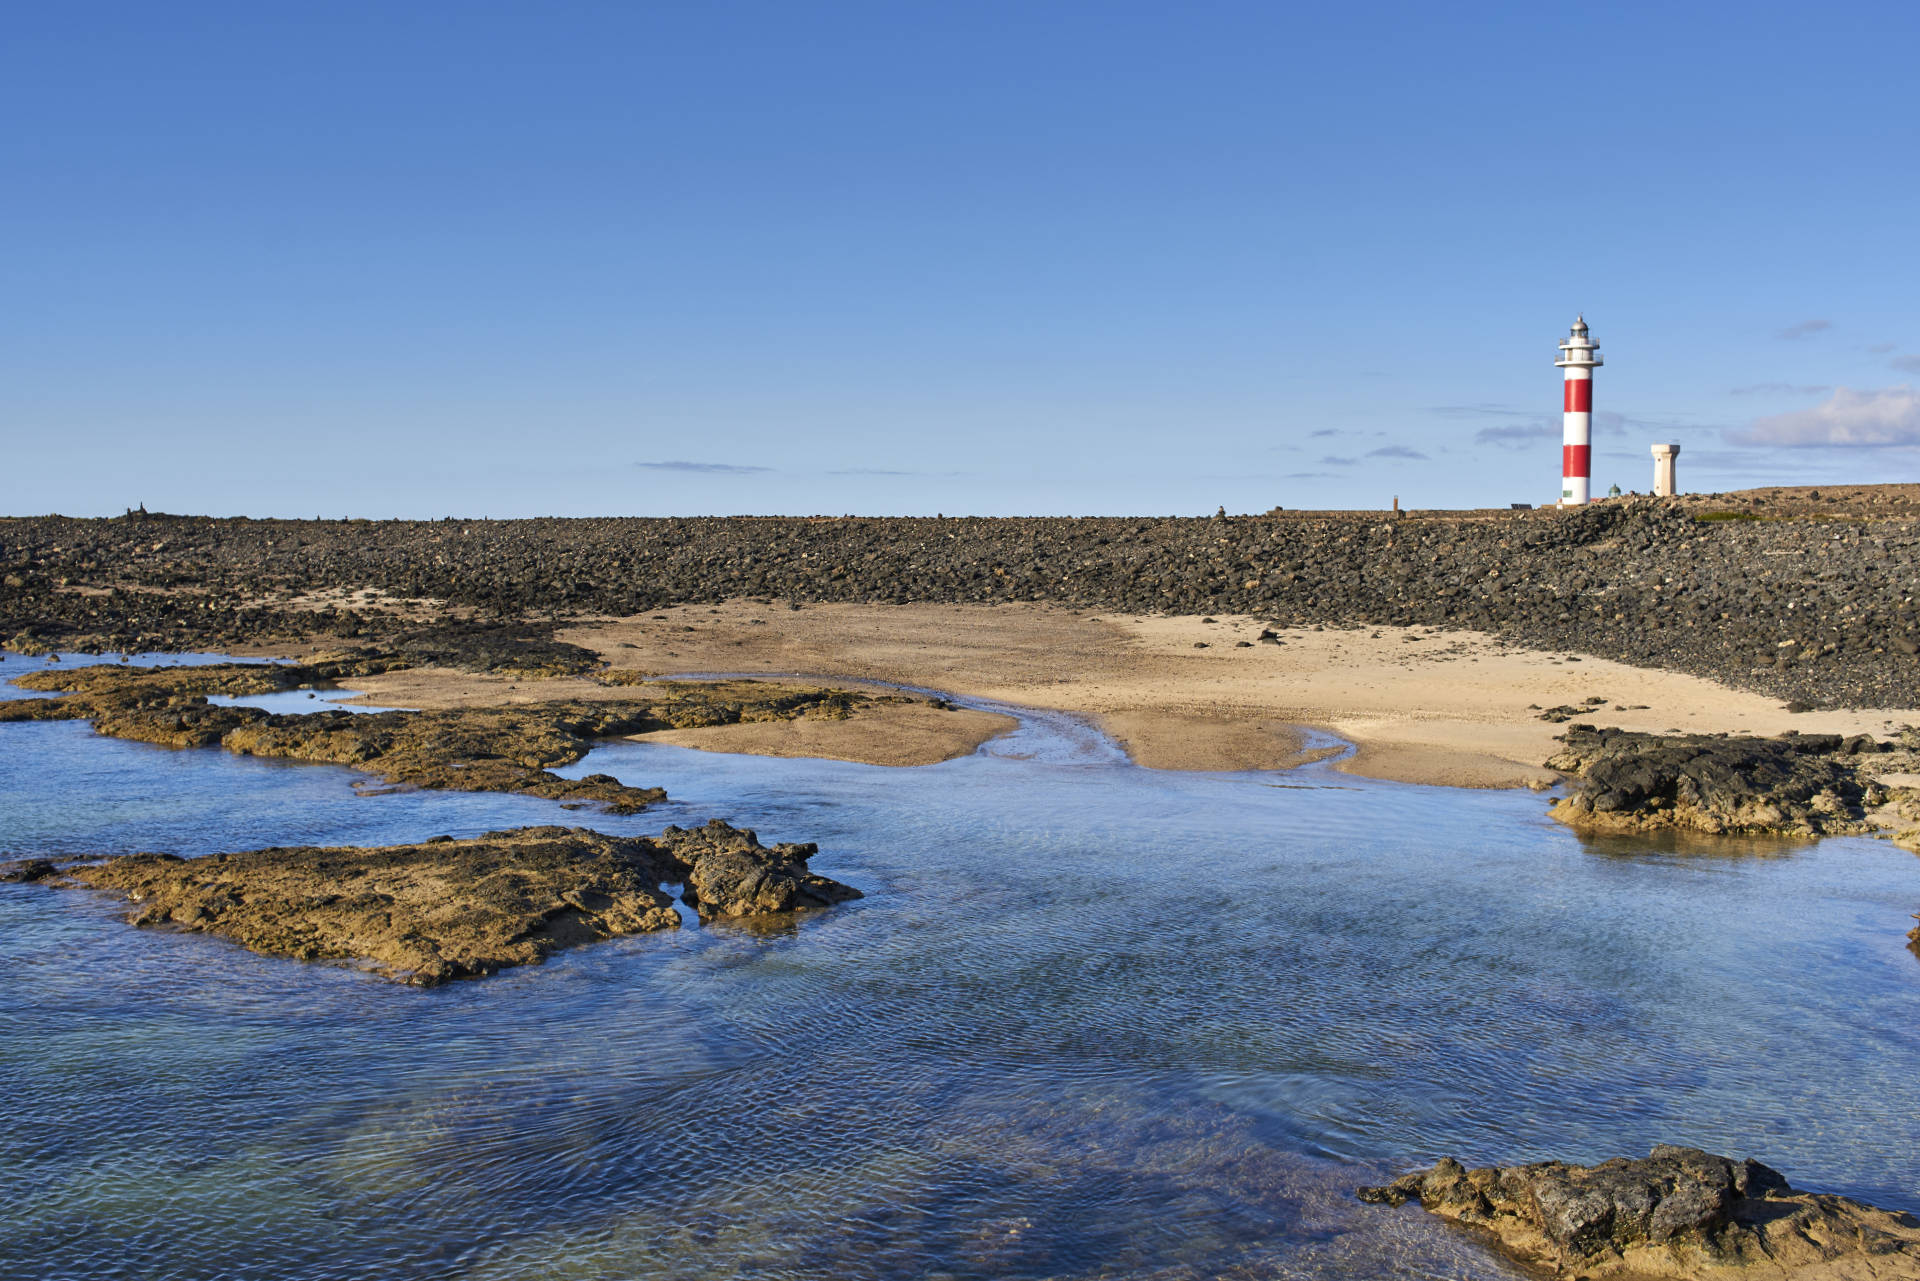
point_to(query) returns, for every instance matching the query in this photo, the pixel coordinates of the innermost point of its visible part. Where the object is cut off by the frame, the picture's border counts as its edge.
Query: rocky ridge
(1805, 604)
(1679, 1212)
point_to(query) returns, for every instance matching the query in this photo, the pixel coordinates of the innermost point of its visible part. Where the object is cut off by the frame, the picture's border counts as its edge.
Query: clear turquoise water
(1089, 1021)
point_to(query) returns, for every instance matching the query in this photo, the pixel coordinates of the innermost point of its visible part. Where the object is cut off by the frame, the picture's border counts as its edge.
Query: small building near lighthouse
(1664, 485)
(1579, 357)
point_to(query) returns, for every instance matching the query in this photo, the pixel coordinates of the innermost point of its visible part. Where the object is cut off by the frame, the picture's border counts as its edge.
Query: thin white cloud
(1480, 411)
(1540, 427)
(1746, 465)
(1805, 329)
(1780, 389)
(731, 469)
(1396, 451)
(1519, 429)
(1890, 416)
(1518, 435)
(1906, 364)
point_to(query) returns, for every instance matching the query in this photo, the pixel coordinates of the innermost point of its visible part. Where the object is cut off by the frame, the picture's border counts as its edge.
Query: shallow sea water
(1089, 1021)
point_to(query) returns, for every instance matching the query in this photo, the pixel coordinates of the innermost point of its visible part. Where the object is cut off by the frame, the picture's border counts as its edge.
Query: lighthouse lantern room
(1579, 356)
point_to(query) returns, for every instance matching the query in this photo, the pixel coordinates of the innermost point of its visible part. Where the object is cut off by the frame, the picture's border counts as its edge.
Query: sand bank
(1425, 706)
(912, 732)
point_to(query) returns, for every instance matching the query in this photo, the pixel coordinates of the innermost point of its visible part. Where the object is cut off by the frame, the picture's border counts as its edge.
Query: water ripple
(1090, 1021)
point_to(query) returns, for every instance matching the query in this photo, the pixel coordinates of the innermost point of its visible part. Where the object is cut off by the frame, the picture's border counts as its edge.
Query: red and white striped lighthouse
(1579, 356)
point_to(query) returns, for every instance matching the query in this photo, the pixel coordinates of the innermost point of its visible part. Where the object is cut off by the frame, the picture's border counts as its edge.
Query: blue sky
(900, 257)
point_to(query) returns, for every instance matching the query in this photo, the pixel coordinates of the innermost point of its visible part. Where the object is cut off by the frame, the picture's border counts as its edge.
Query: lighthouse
(1579, 356)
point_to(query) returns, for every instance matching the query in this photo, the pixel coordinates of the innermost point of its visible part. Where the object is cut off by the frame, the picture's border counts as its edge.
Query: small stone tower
(1663, 483)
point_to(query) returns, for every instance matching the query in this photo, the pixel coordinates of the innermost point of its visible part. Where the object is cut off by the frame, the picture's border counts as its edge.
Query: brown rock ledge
(1680, 1212)
(447, 909)
(479, 749)
(1793, 785)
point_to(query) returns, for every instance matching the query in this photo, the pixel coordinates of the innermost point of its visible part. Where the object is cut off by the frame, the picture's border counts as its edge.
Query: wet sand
(912, 732)
(1422, 705)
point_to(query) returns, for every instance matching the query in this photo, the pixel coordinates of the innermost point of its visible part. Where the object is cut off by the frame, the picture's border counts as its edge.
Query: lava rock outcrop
(1800, 785)
(729, 873)
(1679, 1212)
(446, 909)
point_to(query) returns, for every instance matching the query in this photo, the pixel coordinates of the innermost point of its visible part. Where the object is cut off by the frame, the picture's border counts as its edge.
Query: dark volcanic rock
(1678, 1213)
(729, 873)
(27, 869)
(447, 909)
(1816, 607)
(1806, 785)
(515, 650)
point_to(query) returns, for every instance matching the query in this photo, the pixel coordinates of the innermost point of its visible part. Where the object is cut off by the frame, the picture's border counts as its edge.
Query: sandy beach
(1422, 705)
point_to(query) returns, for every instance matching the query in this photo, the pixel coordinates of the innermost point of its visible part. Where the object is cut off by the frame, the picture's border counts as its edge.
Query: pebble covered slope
(1805, 604)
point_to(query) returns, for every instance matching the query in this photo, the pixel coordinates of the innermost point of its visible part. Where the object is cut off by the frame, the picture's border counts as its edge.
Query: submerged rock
(446, 909)
(27, 869)
(1679, 1212)
(1624, 781)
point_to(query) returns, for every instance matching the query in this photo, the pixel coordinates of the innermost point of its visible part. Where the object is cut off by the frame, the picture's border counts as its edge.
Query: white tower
(1663, 483)
(1579, 357)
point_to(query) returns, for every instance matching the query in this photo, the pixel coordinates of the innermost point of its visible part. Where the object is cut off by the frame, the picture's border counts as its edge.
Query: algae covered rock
(446, 909)
(1679, 1212)
(420, 914)
(475, 749)
(1625, 781)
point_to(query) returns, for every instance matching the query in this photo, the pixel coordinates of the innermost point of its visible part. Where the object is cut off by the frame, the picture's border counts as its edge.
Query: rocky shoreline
(446, 909)
(1803, 601)
(1817, 611)
(1678, 1212)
